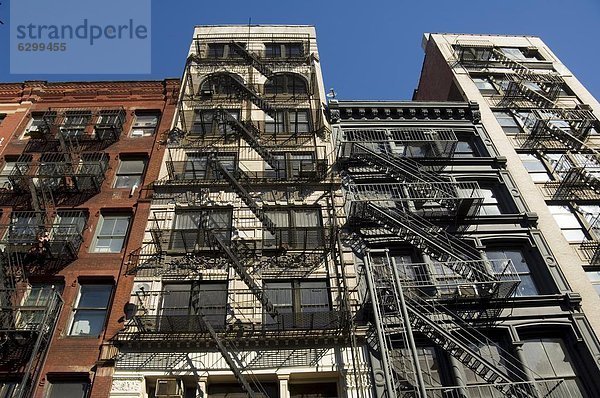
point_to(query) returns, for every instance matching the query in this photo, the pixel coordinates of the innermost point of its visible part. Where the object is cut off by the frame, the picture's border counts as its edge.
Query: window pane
(132, 166)
(68, 390)
(94, 296)
(88, 323)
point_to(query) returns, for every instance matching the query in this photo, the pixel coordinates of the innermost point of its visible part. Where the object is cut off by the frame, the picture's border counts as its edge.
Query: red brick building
(75, 160)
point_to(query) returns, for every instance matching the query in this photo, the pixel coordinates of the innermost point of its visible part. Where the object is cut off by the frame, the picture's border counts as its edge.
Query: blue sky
(369, 49)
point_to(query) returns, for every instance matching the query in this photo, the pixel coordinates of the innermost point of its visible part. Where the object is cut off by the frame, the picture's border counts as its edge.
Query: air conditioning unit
(168, 388)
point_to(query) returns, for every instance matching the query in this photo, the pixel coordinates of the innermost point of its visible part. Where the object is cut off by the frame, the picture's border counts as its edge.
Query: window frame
(89, 309)
(130, 175)
(287, 122)
(530, 271)
(146, 131)
(102, 219)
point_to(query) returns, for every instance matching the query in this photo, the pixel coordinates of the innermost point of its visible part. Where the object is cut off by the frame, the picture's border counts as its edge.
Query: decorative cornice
(402, 110)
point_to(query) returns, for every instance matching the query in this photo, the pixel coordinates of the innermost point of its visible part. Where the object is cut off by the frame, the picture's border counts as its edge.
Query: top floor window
(284, 50)
(2, 117)
(222, 50)
(144, 124)
(521, 54)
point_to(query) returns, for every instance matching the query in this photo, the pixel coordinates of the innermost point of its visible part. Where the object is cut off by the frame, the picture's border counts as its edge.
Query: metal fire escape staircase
(251, 59)
(228, 354)
(242, 191)
(549, 83)
(550, 125)
(401, 311)
(428, 237)
(400, 168)
(241, 90)
(251, 135)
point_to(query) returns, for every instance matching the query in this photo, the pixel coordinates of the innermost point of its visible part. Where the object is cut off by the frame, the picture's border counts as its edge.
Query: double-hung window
(193, 226)
(183, 303)
(296, 228)
(301, 304)
(144, 124)
(130, 173)
(527, 287)
(68, 389)
(293, 121)
(549, 359)
(507, 122)
(89, 312)
(568, 222)
(75, 123)
(111, 232)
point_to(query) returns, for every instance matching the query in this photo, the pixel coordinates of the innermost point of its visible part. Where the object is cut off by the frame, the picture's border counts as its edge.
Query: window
(594, 277)
(191, 228)
(297, 228)
(68, 225)
(521, 54)
(37, 124)
(490, 206)
(222, 50)
(527, 287)
(2, 117)
(181, 302)
(144, 124)
(7, 169)
(221, 84)
(313, 390)
(294, 298)
(429, 363)
(292, 165)
(568, 223)
(65, 389)
(130, 173)
(591, 215)
(198, 166)
(110, 233)
(484, 85)
(535, 167)
(209, 122)
(286, 83)
(493, 353)
(507, 122)
(548, 358)
(465, 148)
(36, 304)
(24, 227)
(89, 312)
(288, 50)
(288, 122)
(74, 123)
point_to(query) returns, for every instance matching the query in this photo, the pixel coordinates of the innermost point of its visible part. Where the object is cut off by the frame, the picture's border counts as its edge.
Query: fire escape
(222, 166)
(394, 198)
(532, 95)
(59, 167)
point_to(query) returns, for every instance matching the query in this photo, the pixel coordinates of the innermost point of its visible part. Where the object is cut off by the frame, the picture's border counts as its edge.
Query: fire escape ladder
(244, 91)
(228, 355)
(251, 59)
(251, 135)
(430, 238)
(38, 353)
(401, 168)
(240, 268)
(453, 335)
(245, 196)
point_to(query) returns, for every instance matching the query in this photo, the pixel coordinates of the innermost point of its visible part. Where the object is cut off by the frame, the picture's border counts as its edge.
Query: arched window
(286, 83)
(221, 83)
